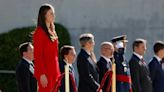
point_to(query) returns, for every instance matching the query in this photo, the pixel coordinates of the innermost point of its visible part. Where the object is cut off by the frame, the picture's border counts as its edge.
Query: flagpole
(66, 78)
(113, 76)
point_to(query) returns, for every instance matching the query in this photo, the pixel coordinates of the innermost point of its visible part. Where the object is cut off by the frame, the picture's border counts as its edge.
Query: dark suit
(103, 66)
(157, 75)
(62, 70)
(88, 73)
(141, 81)
(25, 79)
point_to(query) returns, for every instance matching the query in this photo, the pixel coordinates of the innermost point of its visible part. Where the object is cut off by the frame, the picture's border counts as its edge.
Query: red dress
(46, 59)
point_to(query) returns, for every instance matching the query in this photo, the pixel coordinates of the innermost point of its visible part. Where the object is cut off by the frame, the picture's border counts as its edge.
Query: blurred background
(103, 18)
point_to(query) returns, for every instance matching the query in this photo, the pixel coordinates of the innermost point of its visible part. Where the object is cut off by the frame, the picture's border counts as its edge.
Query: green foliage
(63, 34)
(9, 42)
(9, 54)
(8, 83)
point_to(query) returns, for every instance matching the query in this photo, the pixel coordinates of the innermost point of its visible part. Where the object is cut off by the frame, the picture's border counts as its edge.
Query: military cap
(119, 38)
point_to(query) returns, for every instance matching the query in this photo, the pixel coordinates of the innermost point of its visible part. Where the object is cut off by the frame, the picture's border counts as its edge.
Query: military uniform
(123, 79)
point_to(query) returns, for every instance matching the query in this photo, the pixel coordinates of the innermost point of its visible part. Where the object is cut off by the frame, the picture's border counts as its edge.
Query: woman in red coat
(46, 50)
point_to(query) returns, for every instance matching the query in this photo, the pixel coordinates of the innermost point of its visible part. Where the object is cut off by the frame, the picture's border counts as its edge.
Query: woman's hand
(43, 80)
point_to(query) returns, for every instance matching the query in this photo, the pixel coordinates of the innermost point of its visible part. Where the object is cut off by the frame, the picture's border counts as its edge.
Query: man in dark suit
(86, 64)
(25, 70)
(105, 64)
(123, 78)
(141, 81)
(155, 67)
(68, 56)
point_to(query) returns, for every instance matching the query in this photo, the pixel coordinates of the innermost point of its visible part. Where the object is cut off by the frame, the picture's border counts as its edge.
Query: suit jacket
(62, 70)
(88, 73)
(103, 66)
(25, 79)
(157, 75)
(46, 59)
(141, 81)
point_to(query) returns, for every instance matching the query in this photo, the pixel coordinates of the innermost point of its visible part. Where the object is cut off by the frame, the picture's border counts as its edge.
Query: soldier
(123, 79)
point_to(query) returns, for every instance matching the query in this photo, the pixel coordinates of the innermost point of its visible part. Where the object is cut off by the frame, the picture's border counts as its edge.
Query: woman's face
(50, 16)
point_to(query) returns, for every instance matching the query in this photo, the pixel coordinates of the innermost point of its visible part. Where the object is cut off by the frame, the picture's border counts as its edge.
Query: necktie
(144, 64)
(71, 70)
(109, 66)
(32, 64)
(143, 61)
(31, 68)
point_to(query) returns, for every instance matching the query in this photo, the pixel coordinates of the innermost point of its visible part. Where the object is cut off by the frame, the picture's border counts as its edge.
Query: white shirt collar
(107, 59)
(159, 59)
(29, 61)
(139, 56)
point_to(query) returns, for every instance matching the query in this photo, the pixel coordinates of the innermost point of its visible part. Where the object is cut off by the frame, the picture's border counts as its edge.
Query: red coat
(46, 59)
